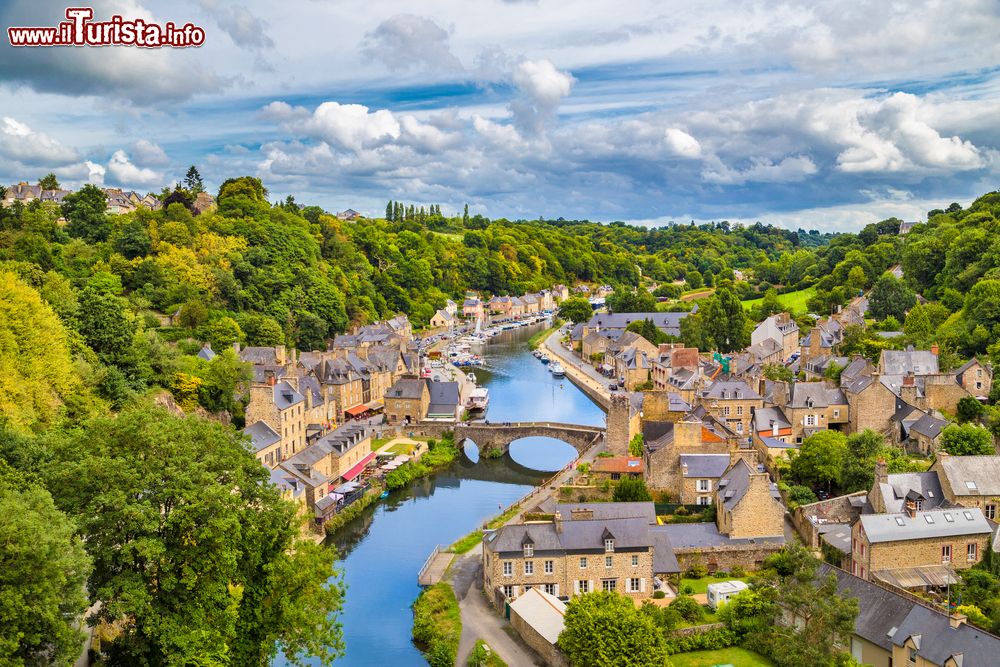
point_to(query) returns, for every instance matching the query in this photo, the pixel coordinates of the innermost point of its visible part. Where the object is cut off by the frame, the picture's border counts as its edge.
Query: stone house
(594, 345)
(890, 546)
(442, 319)
(499, 306)
(539, 619)
(532, 306)
(630, 356)
(748, 505)
(810, 407)
(560, 292)
(975, 378)
(472, 308)
(673, 357)
(895, 628)
(279, 405)
(871, 404)
(444, 402)
(822, 340)
(668, 448)
(782, 330)
(407, 400)
(265, 443)
(517, 308)
(615, 468)
(584, 548)
(733, 402)
(970, 481)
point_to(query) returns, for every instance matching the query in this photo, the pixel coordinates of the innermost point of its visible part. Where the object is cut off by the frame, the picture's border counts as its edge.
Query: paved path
(480, 620)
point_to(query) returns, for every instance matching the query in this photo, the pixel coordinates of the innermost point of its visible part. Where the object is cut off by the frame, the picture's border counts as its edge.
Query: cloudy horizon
(808, 114)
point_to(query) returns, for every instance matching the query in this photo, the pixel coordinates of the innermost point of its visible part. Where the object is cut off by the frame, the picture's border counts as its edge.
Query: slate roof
(261, 435)
(580, 535)
(611, 510)
(576, 333)
(728, 389)
(206, 352)
(902, 362)
(928, 425)
(286, 396)
(925, 524)
(898, 485)
(259, 355)
(406, 388)
(670, 323)
(444, 398)
(765, 418)
(820, 393)
(664, 558)
(774, 443)
(706, 534)
(704, 465)
(888, 619)
(982, 471)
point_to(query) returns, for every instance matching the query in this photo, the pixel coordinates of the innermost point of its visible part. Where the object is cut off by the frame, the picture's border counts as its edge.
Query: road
(480, 620)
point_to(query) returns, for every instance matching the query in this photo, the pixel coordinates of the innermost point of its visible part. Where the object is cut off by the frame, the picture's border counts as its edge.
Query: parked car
(613, 386)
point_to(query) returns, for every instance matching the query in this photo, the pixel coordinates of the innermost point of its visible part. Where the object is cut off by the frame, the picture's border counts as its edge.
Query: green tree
(778, 372)
(966, 440)
(625, 300)
(576, 309)
(918, 325)
(48, 182)
(725, 321)
(890, 297)
(970, 410)
(107, 325)
(193, 182)
(635, 445)
(694, 280)
(631, 490)
(132, 240)
(221, 332)
(261, 330)
(86, 213)
(192, 544)
(856, 279)
(44, 567)
(606, 630)
(647, 330)
(820, 459)
(859, 460)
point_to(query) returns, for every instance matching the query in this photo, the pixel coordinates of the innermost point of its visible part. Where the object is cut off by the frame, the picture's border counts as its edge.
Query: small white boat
(471, 377)
(479, 400)
(544, 358)
(557, 370)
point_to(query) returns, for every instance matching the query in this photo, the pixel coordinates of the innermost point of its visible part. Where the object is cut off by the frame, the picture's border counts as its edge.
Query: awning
(920, 576)
(356, 470)
(375, 405)
(356, 411)
(344, 489)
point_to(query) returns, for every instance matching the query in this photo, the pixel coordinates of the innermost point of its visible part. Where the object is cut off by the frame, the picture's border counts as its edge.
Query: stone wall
(833, 511)
(619, 414)
(750, 556)
(549, 653)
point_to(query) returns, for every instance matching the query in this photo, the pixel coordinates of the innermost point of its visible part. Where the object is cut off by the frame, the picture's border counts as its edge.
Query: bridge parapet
(498, 436)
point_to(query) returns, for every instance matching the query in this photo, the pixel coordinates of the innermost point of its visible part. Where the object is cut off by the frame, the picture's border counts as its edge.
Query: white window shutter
(642, 585)
(557, 590)
(590, 586)
(576, 587)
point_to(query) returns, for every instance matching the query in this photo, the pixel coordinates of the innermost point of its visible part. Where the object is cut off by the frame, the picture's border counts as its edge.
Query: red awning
(356, 470)
(356, 410)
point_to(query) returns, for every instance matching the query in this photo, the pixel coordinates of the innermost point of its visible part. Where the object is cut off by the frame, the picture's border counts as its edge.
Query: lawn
(795, 302)
(701, 585)
(401, 448)
(738, 657)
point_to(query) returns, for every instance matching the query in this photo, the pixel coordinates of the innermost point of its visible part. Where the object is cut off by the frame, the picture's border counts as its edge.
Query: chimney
(236, 347)
(908, 379)
(911, 508)
(558, 520)
(935, 349)
(881, 472)
(270, 378)
(956, 619)
(279, 354)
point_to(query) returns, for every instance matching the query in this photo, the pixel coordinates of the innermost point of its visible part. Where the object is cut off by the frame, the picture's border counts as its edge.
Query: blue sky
(819, 114)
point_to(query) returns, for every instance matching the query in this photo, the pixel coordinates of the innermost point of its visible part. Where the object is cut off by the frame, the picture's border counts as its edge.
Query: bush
(437, 625)
(688, 589)
(696, 571)
(801, 495)
(631, 490)
(659, 595)
(688, 608)
(737, 572)
(710, 640)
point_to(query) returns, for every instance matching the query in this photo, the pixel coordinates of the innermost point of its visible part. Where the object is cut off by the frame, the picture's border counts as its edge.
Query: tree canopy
(605, 629)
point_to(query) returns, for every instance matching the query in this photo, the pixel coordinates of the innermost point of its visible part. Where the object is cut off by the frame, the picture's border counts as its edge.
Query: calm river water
(382, 551)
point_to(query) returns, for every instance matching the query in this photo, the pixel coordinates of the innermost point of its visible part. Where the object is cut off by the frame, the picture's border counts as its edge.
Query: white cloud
(407, 41)
(542, 88)
(124, 173)
(148, 153)
(682, 143)
(245, 29)
(351, 126)
(761, 170)
(19, 143)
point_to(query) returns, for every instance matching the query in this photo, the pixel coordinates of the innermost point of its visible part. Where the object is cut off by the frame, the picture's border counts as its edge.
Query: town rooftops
(670, 323)
(903, 362)
(765, 419)
(728, 389)
(259, 355)
(924, 525)
(607, 511)
(444, 398)
(815, 395)
(899, 486)
(582, 535)
(928, 425)
(701, 535)
(286, 396)
(971, 475)
(619, 464)
(261, 435)
(704, 465)
(406, 388)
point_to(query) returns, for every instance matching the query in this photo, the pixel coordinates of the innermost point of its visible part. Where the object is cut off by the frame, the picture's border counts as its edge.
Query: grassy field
(401, 448)
(701, 585)
(700, 293)
(795, 302)
(738, 657)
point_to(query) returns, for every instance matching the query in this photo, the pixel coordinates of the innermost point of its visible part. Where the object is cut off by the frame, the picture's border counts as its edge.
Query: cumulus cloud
(789, 170)
(407, 41)
(351, 126)
(123, 172)
(682, 143)
(148, 153)
(245, 29)
(19, 143)
(542, 88)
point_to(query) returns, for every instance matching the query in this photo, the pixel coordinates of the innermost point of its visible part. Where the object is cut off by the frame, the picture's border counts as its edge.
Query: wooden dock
(435, 566)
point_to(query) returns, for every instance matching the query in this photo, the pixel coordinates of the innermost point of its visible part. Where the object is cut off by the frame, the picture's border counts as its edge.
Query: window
(549, 588)
(739, 427)
(583, 562)
(508, 591)
(739, 394)
(529, 567)
(549, 567)
(609, 545)
(704, 500)
(635, 560)
(946, 553)
(912, 656)
(704, 485)
(508, 569)
(971, 552)
(609, 585)
(634, 585)
(608, 561)
(739, 410)
(725, 411)
(583, 586)
(862, 549)
(836, 412)
(991, 511)
(529, 550)
(810, 420)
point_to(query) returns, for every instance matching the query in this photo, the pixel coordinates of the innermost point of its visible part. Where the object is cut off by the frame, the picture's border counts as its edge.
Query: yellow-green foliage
(437, 624)
(37, 374)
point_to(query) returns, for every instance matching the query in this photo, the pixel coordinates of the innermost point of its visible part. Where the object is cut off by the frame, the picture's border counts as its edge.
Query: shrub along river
(382, 551)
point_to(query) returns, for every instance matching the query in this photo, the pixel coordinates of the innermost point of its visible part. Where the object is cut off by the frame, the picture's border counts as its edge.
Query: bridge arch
(494, 439)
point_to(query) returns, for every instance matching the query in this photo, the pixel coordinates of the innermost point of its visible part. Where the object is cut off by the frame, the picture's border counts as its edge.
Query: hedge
(437, 625)
(703, 641)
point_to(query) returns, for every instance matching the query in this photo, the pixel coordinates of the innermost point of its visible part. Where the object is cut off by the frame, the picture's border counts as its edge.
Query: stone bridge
(497, 437)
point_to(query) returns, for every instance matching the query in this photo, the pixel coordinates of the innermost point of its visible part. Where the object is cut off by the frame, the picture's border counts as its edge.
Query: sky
(805, 113)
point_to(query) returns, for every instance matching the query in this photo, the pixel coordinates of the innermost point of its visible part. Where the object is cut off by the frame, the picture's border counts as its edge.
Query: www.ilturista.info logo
(80, 30)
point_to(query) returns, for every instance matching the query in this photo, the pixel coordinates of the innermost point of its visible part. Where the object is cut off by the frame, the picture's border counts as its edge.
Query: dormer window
(529, 550)
(609, 545)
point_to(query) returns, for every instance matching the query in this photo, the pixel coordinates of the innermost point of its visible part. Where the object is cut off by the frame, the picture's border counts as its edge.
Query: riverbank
(437, 624)
(539, 336)
(595, 389)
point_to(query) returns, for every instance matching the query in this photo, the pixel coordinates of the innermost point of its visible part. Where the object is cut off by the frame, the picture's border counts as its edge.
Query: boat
(385, 494)
(471, 377)
(544, 358)
(557, 370)
(479, 400)
(537, 354)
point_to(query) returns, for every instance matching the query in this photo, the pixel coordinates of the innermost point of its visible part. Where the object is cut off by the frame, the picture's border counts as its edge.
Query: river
(382, 551)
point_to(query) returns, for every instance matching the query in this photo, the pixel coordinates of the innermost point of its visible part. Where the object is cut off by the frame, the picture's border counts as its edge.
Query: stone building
(282, 408)
(585, 548)
(687, 456)
(810, 407)
(890, 547)
(970, 481)
(406, 401)
(748, 505)
(733, 402)
(782, 330)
